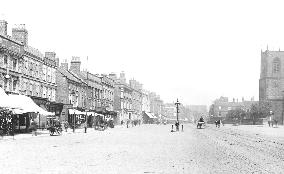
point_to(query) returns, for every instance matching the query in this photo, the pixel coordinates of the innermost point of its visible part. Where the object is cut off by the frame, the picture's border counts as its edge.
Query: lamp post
(102, 102)
(73, 94)
(177, 103)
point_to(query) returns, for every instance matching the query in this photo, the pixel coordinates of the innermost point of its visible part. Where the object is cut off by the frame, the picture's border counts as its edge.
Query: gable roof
(68, 75)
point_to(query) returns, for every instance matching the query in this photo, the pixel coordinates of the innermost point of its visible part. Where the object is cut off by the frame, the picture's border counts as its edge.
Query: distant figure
(85, 126)
(121, 122)
(218, 123)
(201, 119)
(177, 126)
(66, 125)
(275, 122)
(34, 128)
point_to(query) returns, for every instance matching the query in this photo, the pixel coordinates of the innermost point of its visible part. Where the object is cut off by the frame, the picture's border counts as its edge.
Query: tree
(260, 110)
(237, 114)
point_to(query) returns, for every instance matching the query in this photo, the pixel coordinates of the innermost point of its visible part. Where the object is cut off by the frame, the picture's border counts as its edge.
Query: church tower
(271, 82)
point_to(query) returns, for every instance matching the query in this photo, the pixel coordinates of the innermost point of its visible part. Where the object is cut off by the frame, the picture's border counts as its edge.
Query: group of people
(6, 123)
(132, 122)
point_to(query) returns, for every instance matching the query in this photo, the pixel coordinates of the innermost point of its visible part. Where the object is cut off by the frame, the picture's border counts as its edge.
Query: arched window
(276, 65)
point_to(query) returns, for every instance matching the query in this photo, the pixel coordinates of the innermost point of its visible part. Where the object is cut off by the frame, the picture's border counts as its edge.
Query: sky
(196, 51)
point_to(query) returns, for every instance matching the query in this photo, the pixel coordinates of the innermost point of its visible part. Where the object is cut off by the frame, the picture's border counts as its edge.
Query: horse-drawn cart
(200, 125)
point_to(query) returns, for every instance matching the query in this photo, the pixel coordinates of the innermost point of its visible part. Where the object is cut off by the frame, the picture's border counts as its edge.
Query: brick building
(11, 60)
(271, 82)
(145, 101)
(136, 99)
(123, 99)
(30, 72)
(71, 91)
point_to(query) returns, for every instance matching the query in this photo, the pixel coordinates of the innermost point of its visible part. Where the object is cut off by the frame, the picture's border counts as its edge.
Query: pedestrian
(85, 126)
(275, 122)
(66, 124)
(34, 128)
(177, 126)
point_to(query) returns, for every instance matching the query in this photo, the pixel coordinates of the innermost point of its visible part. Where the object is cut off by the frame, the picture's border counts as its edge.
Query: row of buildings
(60, 86)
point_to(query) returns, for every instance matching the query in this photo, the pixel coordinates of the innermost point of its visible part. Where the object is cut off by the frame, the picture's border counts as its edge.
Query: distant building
(145, 101)
(222, 106)
(271, 82)
(123, 99)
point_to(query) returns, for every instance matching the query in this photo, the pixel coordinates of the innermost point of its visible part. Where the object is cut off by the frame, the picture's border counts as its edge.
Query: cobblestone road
(146, 149)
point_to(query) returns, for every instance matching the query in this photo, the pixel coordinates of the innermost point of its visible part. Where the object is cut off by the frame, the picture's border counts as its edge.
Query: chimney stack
(122, 77)
(64, 65)
(75, 65)
(50, 55)
(3, 27)
(20, 33)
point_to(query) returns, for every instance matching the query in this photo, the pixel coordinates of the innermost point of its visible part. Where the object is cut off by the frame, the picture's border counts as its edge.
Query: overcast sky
(196, 51)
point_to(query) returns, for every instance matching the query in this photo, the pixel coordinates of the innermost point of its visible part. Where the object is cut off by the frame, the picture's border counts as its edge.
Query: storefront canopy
(26, 104)
(150, 115)
(75, 111)
(5, 101)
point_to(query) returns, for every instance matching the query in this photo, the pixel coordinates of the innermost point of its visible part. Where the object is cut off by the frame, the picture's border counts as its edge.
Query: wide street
(148, 149)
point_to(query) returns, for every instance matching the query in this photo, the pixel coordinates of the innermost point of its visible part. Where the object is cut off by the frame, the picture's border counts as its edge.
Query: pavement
(148, 149)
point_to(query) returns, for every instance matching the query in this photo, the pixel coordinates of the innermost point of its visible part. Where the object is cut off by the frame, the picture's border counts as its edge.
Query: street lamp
(73, 94)
(177, 103)
(102, 100)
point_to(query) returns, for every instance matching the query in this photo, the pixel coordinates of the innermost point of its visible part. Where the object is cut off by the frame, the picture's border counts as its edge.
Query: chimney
(57, 62)
(234, 100)
(64, 65)
(243, 99)
(3, 27)
(122, 77)
(112, 76)
(50, 55)
(20, 33)
(75, 65)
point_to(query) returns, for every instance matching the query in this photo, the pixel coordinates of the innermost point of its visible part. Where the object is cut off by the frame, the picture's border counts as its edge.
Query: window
(14, 64)
(5, 60)
(276, 65)
(14, 85)
(5, 83)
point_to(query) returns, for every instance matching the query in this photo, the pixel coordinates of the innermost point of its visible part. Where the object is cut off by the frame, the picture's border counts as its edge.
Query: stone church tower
(271, 82)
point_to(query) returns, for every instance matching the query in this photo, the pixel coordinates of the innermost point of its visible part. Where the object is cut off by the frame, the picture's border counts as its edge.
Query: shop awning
(75, 111)
(5, 101)
(26, 104)
(150, 115)
(91, 113)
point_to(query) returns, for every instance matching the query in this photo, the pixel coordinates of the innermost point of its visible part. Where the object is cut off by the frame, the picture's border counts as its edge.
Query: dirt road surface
(148, 149)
